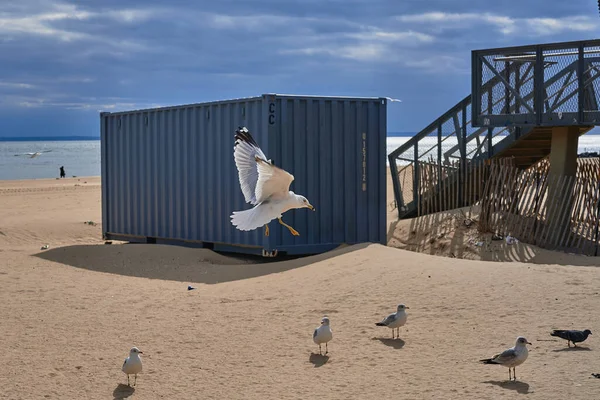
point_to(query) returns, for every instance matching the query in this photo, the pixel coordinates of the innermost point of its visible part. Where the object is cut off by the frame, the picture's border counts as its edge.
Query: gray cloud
(88, 55)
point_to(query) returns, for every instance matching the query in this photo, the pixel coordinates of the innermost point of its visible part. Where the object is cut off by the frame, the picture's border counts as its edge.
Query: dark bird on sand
(571, 335)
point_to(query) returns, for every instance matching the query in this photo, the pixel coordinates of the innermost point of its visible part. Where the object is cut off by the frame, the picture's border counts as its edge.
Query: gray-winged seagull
(395, 320)
(133, 364)
(34, 154)
(323, 334)
(512, 357)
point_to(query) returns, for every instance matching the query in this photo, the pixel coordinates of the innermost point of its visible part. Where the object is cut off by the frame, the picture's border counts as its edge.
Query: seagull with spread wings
(35, 154)
(264, 185)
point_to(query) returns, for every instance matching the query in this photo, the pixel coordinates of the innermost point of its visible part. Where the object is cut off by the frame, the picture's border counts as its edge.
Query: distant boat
(34, 155)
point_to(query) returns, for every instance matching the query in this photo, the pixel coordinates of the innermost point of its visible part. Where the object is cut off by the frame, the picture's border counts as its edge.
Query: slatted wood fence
(553, 212)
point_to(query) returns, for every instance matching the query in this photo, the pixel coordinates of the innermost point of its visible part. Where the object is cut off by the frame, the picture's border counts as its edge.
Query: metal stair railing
(450, 136)
(452, 126)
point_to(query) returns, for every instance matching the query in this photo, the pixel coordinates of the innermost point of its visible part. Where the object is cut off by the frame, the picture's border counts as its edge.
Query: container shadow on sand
(122, 392)
(395, 343)
(318, 360)
(519, 387)
(178, 263)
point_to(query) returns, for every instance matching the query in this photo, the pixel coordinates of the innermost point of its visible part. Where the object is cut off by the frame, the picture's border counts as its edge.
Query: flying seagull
(323, 334)
(571, 335)
(35, 154)
(398, 100)
(264, 185)
(395, 320)
(512, 357)
(133, 364)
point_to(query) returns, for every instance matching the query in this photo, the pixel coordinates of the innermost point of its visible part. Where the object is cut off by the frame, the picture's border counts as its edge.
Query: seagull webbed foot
(292, 230)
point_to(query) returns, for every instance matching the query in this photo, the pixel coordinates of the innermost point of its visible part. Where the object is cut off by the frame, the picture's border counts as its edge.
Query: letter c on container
(271, 113)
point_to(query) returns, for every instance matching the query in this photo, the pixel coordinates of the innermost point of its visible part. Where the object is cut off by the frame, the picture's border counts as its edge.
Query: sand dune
(71, 313)
(445, 234)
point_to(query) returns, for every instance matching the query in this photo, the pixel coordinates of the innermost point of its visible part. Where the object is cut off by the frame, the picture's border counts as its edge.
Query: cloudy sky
(63, 62)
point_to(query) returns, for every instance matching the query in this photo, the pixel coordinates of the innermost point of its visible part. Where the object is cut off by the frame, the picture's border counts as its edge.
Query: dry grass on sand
(71, 313)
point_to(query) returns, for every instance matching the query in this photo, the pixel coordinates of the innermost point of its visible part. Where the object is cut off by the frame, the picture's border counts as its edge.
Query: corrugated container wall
(168, 174)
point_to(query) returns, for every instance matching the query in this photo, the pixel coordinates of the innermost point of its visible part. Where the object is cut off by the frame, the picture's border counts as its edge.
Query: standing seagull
(571, 335)
(512, 357)
(264, 185)
(395, 320)
(133, 364)
(323, 334)
(35, 154)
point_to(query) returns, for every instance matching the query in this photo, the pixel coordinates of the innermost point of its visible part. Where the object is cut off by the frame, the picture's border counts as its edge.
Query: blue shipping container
(168, 174)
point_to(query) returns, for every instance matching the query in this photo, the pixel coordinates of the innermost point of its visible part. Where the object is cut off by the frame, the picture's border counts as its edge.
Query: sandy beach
(71, 313)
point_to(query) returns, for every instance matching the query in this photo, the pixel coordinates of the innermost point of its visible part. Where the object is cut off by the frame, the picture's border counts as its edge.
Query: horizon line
(97, 137)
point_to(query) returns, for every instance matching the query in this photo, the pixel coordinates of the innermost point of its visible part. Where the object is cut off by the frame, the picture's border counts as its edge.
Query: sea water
(82, 158)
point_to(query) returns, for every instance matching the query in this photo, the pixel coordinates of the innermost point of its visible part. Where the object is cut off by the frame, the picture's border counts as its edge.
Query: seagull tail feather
(380, 324)
(487, 361)
(252, 218)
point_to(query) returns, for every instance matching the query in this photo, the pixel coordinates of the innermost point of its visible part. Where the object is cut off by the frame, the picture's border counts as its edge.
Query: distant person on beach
(62, 172)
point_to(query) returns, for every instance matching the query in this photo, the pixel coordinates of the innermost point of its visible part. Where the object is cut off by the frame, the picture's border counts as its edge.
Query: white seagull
(264, 185)
(395, 320)
(133, 364)
(35, 154)
(323, 334)
(512, 357)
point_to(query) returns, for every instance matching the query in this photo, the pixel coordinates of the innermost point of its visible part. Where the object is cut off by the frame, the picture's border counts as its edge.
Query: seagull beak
(529, 343)
(311, 207)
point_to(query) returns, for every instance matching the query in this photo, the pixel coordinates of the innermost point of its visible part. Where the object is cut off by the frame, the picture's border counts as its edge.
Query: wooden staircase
(531, 147)
(518, 95)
